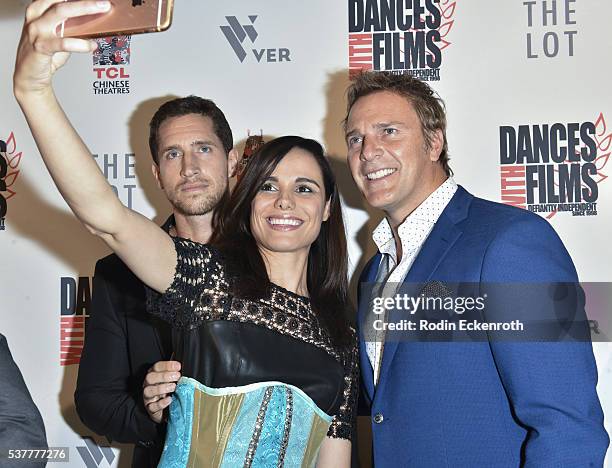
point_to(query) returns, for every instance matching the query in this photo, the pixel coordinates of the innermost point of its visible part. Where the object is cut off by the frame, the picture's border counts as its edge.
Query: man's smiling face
(388, 156)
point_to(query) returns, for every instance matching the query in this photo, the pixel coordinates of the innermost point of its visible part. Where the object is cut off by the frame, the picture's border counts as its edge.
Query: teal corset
(261, 425)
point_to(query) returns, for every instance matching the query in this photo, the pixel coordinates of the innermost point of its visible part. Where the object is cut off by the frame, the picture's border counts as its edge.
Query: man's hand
(159, 384)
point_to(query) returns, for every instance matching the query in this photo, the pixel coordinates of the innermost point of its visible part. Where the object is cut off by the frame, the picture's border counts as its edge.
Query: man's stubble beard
(198, 205)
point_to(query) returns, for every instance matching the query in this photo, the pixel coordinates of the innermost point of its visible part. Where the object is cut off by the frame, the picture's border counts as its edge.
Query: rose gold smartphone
(125, 17)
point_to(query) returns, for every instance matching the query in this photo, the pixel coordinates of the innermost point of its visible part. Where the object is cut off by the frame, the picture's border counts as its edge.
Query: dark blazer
(121, 343)
(21, 426)
(501, 404)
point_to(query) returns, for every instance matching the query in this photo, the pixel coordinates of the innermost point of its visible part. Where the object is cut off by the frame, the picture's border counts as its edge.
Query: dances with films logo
(10, 158)
(110, 61)
(548, 168)
(75, 302)
(399, 36)
(242, 37)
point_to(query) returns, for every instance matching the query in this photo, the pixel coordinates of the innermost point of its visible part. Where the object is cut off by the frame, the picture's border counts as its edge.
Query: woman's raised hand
(75, 173)
(41, 50)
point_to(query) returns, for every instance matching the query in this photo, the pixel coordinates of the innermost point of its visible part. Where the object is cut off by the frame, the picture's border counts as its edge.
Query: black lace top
(223, 340)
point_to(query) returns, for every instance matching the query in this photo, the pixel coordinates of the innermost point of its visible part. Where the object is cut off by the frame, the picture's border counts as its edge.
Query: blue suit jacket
(490, 404)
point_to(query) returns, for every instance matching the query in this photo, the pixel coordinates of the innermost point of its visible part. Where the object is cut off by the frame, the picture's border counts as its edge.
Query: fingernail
(103, 5)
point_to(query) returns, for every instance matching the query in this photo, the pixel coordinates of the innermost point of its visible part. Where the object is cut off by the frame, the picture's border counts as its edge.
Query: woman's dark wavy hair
(327, 259)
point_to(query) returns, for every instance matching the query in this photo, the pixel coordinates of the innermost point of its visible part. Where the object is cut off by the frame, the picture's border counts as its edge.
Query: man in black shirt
(193, 157)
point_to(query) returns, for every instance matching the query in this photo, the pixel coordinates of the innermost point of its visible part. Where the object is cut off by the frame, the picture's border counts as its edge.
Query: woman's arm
(334, 453)
(40, 54)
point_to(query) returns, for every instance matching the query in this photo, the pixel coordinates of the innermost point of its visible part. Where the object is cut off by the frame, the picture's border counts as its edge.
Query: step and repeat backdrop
(527, 88)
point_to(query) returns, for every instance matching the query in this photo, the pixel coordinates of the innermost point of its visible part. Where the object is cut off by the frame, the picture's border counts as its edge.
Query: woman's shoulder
(190, 247)
(196, 254)
(198, 265)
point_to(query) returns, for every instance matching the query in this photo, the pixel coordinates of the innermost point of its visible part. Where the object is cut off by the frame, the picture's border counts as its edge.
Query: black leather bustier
(221, 353)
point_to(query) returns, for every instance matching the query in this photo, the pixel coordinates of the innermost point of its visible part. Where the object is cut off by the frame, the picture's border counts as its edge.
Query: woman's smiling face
(287, 212)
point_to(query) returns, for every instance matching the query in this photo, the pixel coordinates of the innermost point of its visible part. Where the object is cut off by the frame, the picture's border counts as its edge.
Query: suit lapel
(439, 242)
(368, 276)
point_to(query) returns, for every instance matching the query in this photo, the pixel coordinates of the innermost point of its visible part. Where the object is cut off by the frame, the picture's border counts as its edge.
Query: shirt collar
(169, 224)
(428, 211)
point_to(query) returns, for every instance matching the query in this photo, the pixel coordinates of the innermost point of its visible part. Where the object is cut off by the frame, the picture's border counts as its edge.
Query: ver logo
(236, 34)
(93, 455)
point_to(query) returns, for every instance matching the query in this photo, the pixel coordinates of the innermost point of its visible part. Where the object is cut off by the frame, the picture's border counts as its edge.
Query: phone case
(125, 17)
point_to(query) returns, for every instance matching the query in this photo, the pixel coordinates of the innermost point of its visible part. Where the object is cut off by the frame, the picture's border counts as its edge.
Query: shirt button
(378, 418)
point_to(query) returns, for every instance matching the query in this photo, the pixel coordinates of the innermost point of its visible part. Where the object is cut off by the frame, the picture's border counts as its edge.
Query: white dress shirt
(412, 233)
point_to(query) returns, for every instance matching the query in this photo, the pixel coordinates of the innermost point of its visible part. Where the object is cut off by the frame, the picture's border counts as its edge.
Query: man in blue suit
(469, 404)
